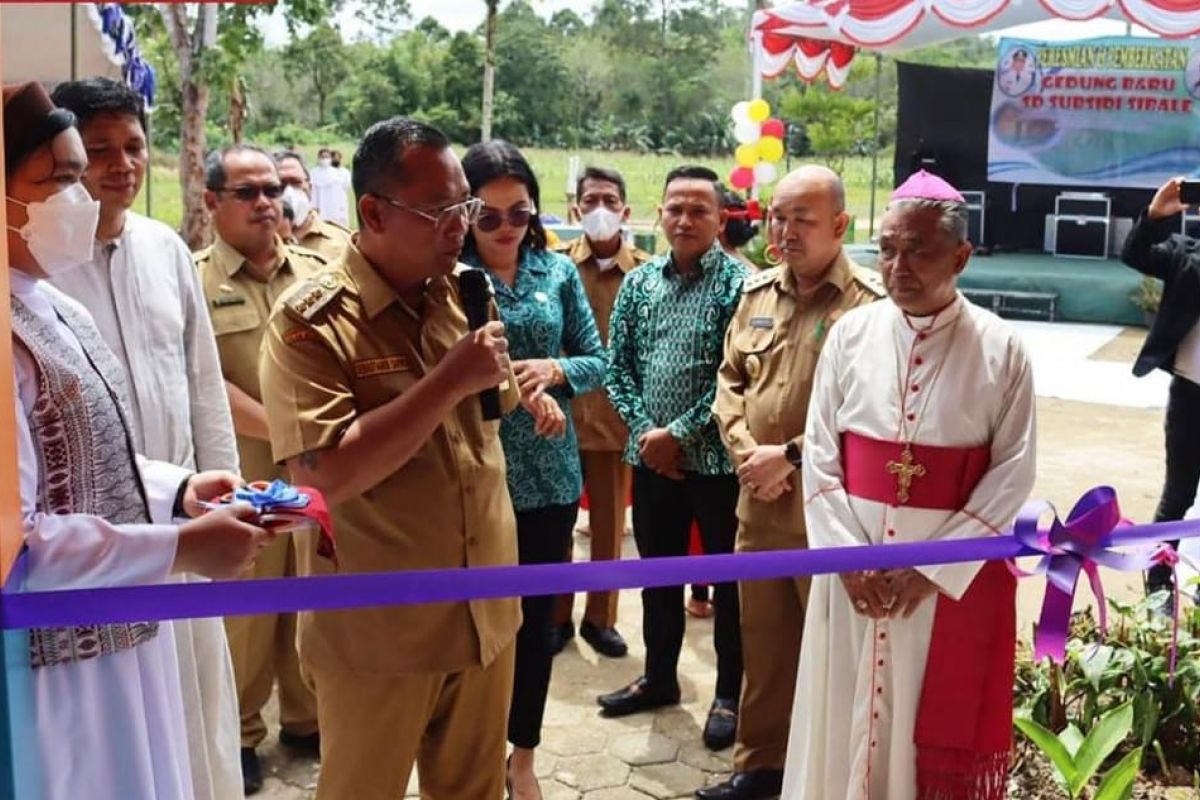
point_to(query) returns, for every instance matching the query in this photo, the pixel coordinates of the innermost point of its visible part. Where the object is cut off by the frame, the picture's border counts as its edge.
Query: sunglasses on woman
(490, 219)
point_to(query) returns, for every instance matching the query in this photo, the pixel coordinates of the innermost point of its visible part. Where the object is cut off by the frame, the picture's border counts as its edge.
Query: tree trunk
(237, 110)
(489, 71)
(197, 226)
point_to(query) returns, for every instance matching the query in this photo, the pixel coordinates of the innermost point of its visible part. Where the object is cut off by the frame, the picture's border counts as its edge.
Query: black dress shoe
(559, 636)
(605, 641)
(251, 772)
(760, 784)
(721, 727)
(303, 744)
(637, 696)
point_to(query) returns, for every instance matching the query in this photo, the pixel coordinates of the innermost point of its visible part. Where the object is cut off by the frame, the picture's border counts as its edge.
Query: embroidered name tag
(765, 323)
(228, 300)
(297, 335)
(380, 366)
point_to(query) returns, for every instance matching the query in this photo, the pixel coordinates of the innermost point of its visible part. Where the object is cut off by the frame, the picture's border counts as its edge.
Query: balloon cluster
(760, 144)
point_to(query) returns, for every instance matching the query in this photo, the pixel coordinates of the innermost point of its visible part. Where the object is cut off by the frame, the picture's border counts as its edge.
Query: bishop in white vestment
(921, 427)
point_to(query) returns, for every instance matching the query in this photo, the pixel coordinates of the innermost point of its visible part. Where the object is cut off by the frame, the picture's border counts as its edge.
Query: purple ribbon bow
(275, 496)
(1082, 543)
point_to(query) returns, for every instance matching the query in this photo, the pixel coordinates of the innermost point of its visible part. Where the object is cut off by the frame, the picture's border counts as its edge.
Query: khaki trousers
(263, 648)
(606, 479)
(772, 616)
(452, 725)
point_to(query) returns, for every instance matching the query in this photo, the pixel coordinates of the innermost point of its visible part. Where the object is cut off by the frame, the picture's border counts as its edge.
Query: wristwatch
(791, 452)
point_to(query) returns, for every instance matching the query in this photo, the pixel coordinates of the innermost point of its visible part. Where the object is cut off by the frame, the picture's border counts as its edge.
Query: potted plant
(1147, 297)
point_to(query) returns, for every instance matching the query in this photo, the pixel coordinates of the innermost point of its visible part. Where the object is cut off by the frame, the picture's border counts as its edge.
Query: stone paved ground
(660, 755)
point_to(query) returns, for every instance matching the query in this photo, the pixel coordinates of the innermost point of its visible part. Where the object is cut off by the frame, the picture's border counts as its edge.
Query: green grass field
(643, 174)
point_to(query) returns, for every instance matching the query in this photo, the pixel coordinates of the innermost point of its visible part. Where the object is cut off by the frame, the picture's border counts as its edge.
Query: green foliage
(649, 76)
(1118, 782)
(835, 124)
(1077, 757)
(1130, 669)
(1148, 295)
(323, 59)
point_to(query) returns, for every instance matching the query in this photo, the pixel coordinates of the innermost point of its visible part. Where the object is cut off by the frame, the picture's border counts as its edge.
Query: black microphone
(476, 293)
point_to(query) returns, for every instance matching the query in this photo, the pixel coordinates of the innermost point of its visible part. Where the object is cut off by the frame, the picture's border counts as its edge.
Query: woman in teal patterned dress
(556, 353)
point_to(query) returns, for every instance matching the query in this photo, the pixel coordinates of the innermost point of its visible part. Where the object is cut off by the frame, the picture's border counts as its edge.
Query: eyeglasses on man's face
(248, 194)
(466, 211)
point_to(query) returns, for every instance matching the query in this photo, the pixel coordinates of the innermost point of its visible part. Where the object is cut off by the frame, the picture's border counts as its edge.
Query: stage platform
(1021, 285)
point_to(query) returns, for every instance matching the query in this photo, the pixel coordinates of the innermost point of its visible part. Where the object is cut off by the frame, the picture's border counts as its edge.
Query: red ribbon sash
(949, 477)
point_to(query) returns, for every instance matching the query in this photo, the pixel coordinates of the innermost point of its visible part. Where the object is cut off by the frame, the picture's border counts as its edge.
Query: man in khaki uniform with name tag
(370, 377)
(309, 229)
(603, 258)
(243, 272)
(771, 351)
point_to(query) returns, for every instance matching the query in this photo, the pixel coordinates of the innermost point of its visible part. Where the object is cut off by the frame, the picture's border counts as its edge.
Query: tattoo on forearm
(310, 459)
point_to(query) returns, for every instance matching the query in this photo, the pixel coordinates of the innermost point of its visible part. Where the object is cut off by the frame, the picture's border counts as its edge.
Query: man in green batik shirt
(667, 332)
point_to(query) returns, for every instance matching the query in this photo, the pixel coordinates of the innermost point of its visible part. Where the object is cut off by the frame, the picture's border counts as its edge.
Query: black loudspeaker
(1082, 237)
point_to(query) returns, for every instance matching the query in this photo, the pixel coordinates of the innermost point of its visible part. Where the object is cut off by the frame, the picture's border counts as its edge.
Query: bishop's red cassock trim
(963, 731)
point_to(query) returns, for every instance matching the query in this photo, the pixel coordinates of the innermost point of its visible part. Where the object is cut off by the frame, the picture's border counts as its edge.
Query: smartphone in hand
(1189, 193)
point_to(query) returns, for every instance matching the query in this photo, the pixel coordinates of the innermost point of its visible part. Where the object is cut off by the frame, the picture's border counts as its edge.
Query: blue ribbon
(274, 496)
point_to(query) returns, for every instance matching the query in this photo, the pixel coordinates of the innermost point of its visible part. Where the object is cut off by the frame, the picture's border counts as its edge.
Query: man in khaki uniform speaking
(243, 272)
(370, 378)
(603, 258)
(309, 229)
(771, 350)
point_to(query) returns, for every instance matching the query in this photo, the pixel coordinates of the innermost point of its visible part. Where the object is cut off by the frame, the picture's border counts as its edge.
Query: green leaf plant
(1077, 758)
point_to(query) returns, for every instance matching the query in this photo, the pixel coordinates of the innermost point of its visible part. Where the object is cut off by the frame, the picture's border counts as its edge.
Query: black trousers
(663, 510)
(543, 535)
(1182, 429)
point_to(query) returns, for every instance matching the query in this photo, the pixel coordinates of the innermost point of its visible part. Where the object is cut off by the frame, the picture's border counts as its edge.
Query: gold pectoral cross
(905, 470)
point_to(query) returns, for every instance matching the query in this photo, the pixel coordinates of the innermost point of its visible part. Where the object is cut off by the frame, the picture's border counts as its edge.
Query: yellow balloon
(760, 110)
(770, 148)
(746, 155)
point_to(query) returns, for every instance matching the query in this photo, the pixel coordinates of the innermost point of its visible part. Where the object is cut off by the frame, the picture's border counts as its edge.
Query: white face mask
(324, 162)
(600, 224)
(299, 203)
(61, 230)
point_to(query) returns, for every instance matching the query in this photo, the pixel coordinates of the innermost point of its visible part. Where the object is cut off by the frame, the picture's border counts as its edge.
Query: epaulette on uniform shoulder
(309, 297)
(870, 280)
(760, 279)
(304, 252)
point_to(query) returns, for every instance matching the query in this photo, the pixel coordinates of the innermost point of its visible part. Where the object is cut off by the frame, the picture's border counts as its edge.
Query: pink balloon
(773, 127)
(742, 178)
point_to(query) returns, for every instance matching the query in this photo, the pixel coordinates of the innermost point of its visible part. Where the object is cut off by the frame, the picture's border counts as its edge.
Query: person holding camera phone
(1155, 247)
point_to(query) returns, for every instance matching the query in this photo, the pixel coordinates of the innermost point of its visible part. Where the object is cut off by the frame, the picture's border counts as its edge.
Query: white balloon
(741, 112)
(747, 132)
(765, 172)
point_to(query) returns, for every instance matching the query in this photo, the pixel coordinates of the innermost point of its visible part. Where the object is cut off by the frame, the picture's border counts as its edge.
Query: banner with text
(1115, 112)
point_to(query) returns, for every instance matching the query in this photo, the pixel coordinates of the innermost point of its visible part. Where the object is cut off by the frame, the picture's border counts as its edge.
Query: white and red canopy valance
(822, 35)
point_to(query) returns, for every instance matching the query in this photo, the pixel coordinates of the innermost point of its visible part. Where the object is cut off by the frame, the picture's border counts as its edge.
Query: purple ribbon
(360, 590)
(1083, 543)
